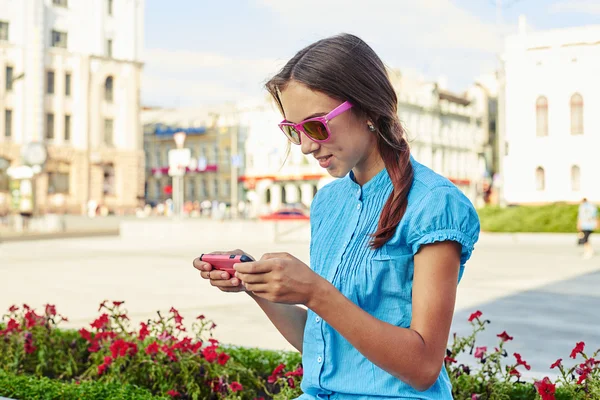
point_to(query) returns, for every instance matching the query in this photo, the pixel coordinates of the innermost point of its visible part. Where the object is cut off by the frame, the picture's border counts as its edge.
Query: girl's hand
(220, 279)
(280, 278)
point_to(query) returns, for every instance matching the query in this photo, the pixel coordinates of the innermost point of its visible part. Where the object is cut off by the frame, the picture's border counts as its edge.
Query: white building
(552, 123)
(447, 132)
(70, 78)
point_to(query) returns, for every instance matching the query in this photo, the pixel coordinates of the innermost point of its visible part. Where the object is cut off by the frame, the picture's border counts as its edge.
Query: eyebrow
(317, 114)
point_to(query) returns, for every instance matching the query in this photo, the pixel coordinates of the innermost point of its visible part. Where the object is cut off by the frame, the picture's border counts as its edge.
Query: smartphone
(224, 262)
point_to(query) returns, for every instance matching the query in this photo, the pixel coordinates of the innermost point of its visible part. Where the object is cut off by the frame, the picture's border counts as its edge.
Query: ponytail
(396, 157)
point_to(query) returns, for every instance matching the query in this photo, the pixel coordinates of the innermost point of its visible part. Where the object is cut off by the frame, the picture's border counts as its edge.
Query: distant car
(286, 214)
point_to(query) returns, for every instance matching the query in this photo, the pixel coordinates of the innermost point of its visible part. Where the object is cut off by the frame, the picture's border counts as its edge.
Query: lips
(324, 161)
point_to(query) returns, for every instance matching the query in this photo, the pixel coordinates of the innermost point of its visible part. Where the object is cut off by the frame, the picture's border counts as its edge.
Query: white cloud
(184, 78)
(434, 24)
(576, 6)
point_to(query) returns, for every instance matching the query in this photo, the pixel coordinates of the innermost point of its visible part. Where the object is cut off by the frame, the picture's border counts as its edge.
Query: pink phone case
(224, 262)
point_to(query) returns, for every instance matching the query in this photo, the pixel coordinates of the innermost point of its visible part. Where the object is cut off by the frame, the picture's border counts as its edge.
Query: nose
(307, 145)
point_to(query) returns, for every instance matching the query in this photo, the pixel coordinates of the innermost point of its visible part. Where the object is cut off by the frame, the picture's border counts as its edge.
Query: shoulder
(437, 211)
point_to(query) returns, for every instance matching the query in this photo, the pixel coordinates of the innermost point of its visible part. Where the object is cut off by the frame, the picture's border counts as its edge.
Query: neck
(370, 167)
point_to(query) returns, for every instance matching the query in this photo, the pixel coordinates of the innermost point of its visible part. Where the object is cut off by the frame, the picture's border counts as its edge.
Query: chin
(337, 172)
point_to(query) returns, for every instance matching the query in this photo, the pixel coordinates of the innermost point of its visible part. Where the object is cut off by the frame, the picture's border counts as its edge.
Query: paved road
(537, 288)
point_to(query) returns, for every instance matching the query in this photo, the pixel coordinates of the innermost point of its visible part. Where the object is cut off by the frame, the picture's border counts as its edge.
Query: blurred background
(93, 92)
(146, 123)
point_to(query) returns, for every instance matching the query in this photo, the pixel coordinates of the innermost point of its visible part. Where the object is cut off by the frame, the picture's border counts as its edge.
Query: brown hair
(346, 68)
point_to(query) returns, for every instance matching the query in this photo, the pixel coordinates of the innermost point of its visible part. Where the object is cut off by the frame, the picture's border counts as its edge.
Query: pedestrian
(587, 222)
(389, 238)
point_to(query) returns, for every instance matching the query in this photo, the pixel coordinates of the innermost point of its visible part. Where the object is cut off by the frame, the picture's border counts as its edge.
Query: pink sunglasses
(317, 128)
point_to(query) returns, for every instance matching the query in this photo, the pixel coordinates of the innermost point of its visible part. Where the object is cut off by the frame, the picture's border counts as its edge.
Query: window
(576, 114)
(9, 78)
(7, 123)
(575, 178)
(67, 128)
(108, 132)
(540, 179)
(59, 39)
(109, 4)
(109, 47)
(58, 182)
(60, 3)
(541, 113)
(215, 188)
(49, 126)
(3, 30)
(227, 188)
(4, 184)
(108, 89)
(67, 84)
(109, 180)
(50, 82)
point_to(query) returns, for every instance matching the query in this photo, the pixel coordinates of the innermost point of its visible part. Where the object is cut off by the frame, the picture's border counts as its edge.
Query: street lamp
(178, 160)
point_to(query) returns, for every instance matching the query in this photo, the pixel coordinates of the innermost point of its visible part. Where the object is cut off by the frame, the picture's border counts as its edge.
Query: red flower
(545, 388)
(213, 342)
(200, 317)
(505, 337)
(236, 387)
(117, 303)
(28, 345)
(13, 308)
(84, 333)
(222, 358)
(144, 331)
(276, 374)
(450, 360)
(578, 349)
(152, 348)
(475, 315)
(522, 362)
(209, 354)
(102, 305)
(291, 383)
(514, 372)
(32, 319)
(556, 364)
(101, 322)
(298, 372)
(173, 393)
(50, 310)
(120, 348)
(475, 396)
(480, 351)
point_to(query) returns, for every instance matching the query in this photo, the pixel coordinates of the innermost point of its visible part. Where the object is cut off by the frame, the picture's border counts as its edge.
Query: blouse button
(319, 359)
(358, 206)
(318, 319)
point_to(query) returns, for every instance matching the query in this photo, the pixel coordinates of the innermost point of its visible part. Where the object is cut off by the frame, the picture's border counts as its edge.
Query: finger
(201, 265)
(251, 278)
(254, 267)
(222, 283)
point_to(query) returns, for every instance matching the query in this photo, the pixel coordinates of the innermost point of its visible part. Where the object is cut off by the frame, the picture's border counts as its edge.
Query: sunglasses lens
(316, 130)
(292, 134)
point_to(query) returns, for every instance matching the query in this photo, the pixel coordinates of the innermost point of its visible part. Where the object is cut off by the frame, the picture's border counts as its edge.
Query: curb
(57, 235)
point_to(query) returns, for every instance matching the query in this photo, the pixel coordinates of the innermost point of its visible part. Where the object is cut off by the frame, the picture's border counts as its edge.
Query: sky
(200, 53)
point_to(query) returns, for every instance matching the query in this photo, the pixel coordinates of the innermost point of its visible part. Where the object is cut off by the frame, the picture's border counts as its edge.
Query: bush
(40, 361)
(554, 218)
(33, 388)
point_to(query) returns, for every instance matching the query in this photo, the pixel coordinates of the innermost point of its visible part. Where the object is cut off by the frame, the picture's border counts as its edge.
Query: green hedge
(554, 218)
(28, 387)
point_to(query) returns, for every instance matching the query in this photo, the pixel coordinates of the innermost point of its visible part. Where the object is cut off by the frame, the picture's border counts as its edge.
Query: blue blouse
(343, 215)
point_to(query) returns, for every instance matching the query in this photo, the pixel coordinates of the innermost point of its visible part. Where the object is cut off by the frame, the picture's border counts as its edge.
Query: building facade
(70, 80)
(210, 136)
(551, 130)
(448, 132)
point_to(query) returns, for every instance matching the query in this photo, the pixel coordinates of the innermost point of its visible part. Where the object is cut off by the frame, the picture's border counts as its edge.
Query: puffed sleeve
(444, 213)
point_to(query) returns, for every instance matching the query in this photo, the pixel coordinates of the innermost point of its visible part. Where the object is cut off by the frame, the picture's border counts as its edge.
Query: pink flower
(480, 351)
